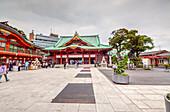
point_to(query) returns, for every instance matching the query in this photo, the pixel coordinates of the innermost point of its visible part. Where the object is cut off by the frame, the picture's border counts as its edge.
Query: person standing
(19, 66)
(10, 66)
(3, 71)
(114, 67)
(75, 64)
(67, 65)
(26, 65)
(64, 65)
(46, 65)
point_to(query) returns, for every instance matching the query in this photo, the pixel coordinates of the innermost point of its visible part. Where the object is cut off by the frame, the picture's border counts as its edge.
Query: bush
(131, 62)
(147, 69)
(152, 65)
(168, 96)
(140, 65)
(114, 60)
(166, 65)
(124, 74)
(120, 68)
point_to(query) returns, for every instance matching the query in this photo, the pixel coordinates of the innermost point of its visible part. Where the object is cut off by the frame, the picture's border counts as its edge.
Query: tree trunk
(118, 57)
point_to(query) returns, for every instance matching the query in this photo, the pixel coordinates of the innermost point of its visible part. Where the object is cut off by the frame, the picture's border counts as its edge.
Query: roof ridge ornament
(75, 33)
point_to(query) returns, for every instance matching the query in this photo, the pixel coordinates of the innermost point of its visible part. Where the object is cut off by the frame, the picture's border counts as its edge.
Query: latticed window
(2, 45)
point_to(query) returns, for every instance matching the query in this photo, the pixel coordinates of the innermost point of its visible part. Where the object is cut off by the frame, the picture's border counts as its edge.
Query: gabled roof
(92, 40)
(152, 53)
(4, 26)
(164, 54)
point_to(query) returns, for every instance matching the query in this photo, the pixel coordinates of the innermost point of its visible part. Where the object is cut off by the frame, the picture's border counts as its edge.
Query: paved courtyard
(33, 91)
(143, 77)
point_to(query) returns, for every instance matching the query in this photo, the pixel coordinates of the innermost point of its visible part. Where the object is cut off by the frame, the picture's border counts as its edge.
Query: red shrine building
(155, 57)
(14, 47)
(86, 49)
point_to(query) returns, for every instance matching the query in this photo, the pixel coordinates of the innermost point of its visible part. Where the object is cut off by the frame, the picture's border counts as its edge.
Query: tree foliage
(138, 43)
(20, 31)
(130, 40)
(114, 59)
(118, 40)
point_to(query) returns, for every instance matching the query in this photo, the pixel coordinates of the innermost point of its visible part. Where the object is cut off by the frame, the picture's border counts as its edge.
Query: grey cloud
(150, 17)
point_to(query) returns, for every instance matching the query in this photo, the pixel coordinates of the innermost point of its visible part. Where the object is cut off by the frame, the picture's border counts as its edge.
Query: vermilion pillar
(67, 58)
(55, 57)
(61, 59)
(83, 57)
(89, 59)
(96, 57)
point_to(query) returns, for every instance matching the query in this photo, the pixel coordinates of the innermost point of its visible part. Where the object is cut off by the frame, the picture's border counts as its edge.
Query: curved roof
(8, 28)
(93, 40)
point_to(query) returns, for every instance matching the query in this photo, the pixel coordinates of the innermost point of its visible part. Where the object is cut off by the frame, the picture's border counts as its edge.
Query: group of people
(19, 64)
(76, 64)
(76, 61)
(3, 71)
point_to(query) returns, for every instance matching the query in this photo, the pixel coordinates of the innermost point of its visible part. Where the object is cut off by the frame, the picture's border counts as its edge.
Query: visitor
(26, 65)
(19, 66)
(14, 64)
(64, 65)
(43, 65)
(3, 71)
(76, 64)
(46, 65)
(114, 67)
(67, 65)
(10, 66)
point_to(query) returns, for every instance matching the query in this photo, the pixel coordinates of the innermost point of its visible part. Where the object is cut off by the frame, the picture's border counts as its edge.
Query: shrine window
(20, 49)
(2, 46)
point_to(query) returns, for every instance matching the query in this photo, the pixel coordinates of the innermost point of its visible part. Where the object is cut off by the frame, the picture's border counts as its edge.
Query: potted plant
(167, 102)
(120, 76)
(166, 67)
(147, 69)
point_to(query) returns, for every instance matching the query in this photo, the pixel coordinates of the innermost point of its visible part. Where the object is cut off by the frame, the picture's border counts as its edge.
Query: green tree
(137, 44)
(118, 40)
(20, 31)
(114, 60)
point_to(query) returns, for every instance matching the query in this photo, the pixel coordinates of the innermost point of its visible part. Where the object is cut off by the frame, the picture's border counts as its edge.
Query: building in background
(86, 49)
(42, 40)
(15, 48)
(155, 57)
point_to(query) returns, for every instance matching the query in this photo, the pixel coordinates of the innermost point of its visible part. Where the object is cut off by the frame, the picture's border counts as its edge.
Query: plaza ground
(33, 91)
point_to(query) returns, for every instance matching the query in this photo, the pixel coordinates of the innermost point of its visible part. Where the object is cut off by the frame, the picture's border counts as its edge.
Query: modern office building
(42, 40)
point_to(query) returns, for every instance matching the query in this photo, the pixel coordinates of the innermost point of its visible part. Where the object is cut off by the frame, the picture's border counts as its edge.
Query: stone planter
(167, 104)
(120, 79)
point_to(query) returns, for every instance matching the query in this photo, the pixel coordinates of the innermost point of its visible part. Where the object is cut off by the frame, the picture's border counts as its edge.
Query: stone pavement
(33, 91)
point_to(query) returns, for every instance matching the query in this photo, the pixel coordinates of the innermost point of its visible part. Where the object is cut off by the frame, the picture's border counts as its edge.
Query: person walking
(26, 65)
(3, 71)
(114, 67)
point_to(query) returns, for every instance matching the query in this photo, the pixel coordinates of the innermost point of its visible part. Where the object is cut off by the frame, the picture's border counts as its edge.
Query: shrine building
(15, 48)
(87, 49)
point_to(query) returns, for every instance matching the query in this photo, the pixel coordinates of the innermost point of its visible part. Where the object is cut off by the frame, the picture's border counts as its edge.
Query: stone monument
(103, 63)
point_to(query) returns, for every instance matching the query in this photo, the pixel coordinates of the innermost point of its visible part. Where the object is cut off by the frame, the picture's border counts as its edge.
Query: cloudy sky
(88, 17)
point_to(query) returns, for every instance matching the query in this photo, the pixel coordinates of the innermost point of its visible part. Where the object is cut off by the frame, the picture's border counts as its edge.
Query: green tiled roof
(92, 40)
